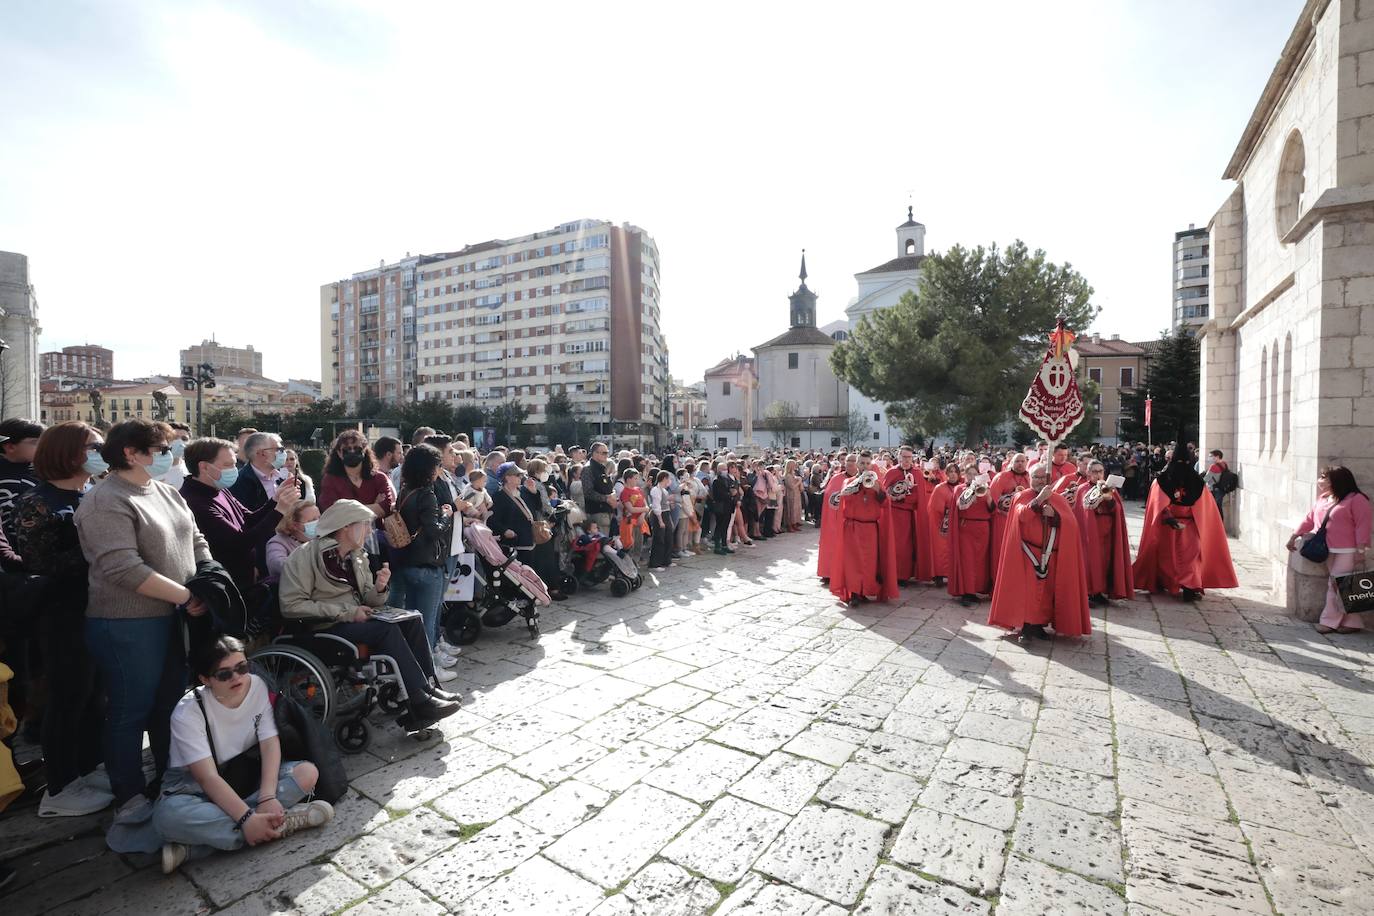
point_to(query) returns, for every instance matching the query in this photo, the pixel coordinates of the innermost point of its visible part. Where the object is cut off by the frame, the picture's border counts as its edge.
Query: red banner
(1054, 405)
(1149, 403)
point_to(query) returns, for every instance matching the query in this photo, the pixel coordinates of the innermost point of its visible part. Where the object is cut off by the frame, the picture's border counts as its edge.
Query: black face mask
(352, 459)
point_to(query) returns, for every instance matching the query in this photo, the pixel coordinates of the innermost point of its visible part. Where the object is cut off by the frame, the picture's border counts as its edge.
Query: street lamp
(198, 378)
(3, 393)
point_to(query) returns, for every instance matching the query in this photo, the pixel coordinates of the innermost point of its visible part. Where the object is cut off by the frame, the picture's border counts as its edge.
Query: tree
(468, 417)
(782, 420)
(1085, 433)
(433, 412)
(562, 425)
(298, 427)
(1173, 377)
(374, 409)
(960, 356)
(508, 418)
(856, 428)
(223, 422)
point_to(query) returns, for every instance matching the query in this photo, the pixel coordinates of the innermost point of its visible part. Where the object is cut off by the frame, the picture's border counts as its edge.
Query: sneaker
(173, 854)
(443, 675)
(75, 800)
(315, 814)
(99, 780)
(444, 646)
(684, 555)
(444, 660)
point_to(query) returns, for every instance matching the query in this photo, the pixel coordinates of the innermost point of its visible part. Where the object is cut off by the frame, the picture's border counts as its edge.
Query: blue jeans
(185, 814)
(422, 589)
(142, 663)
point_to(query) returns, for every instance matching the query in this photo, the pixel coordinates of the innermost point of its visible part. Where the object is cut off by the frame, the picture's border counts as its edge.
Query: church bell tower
(803, 301)
(911, 237)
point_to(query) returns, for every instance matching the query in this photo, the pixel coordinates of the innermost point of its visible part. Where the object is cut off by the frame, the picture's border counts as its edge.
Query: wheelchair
(338, 681)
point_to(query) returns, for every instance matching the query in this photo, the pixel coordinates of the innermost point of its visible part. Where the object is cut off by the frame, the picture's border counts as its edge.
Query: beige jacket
(307, 592)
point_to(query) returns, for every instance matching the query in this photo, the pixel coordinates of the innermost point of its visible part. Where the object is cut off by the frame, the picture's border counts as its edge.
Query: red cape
(830, 554)
(962, 580)
(1060, 471)
(911, 541)
(845, 580)
(1122, 581)
(1217, 570)
(1016, 580)
(1002, 486)
(1068, 480)
(941, 500)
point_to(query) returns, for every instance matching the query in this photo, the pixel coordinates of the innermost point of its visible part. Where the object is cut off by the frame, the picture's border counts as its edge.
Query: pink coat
(1349, 525)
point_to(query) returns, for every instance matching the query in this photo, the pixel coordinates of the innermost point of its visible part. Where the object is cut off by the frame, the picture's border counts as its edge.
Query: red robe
(1195, 556)
(1106, 547)
(830, 554)
(1063, 469)
(869, 563)
(939, 518)
(910, 542)
(1060, 599)
(1003, 491)
(1072, 487)
(970, 546)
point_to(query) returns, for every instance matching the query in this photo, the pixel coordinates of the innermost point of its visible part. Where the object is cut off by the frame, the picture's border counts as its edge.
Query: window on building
(1127, 376)
(1097, 402)
(796, 441)
(720, 442)
(876, 418)
(725, 389)
(1095, 374)
(793, 360)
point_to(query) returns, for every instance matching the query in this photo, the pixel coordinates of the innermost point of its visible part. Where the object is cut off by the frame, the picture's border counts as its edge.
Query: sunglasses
(225, 675)
(160, 449)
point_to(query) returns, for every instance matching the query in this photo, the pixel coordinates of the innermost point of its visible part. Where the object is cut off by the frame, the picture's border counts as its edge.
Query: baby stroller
(566, 514)
(616, 563)
(509, 589)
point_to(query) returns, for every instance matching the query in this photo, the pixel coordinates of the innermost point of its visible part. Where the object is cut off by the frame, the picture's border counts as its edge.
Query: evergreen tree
(1173, 378)
(960, 356)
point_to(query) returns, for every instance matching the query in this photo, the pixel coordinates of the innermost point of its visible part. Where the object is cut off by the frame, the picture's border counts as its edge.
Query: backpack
(1227, 481)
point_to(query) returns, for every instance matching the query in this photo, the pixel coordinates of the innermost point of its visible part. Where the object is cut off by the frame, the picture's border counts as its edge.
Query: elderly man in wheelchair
(328, 586)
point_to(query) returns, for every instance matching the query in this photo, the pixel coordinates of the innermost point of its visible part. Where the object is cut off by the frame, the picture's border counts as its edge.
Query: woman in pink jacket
(1347, 513)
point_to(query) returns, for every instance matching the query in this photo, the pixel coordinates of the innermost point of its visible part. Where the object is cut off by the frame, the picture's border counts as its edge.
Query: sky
(180, 169)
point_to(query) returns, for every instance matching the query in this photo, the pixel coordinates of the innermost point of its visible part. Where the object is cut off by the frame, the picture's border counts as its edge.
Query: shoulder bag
(1314, 548)
(397, 534)
(244, 772)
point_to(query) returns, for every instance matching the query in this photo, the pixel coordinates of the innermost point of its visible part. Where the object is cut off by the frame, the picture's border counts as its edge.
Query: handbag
(303, 737)
(542, 532)
(1357, 591)
(244, 772)
(1314, 548)
(397, 534)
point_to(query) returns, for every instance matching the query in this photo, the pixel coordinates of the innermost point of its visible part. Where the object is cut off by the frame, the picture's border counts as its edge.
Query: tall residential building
(1192, 263)
(573, 309)
(221, 357)
(19, 334)
(87, 366)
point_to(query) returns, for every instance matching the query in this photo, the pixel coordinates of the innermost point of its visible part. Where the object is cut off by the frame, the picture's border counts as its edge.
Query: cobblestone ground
(732, 741)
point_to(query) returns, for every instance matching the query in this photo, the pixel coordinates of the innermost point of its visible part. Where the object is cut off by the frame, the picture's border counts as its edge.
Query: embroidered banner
(1054, 406)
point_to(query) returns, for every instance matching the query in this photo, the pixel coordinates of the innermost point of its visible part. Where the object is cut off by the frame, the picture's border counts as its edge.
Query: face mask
(280, 460)
(227, 478)
(178, 448)
(94, 464)
(160, 466)
(352, 459)
(310, 529)
(544, 477)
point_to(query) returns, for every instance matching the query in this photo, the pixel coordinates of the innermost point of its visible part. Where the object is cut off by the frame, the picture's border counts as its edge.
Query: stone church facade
(1288, 351)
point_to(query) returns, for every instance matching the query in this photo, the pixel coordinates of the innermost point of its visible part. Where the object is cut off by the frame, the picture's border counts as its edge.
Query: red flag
(1148, 404)
(1053, 406)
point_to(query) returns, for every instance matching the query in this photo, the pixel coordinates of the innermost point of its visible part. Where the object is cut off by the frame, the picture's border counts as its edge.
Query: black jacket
(597, 484)
(506, 516)
(213, 585)
(431, 533)
(724, 494)
(248, 489)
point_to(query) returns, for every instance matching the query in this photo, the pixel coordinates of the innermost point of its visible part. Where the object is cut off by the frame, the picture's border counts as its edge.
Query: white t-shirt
(232, 728)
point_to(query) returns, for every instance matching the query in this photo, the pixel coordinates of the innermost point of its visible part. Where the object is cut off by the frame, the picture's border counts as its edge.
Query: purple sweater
(235, 535)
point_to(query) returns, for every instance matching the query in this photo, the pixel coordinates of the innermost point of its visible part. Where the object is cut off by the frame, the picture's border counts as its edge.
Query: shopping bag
(1357, 591)
(461, 585)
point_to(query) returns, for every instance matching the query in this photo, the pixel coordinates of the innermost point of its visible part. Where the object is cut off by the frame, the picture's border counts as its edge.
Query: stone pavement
(729, 740)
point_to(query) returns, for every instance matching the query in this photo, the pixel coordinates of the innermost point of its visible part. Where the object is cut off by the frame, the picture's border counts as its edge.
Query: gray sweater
(128, 533)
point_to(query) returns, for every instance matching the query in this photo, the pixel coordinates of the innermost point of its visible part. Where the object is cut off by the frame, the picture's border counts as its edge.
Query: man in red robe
(940, 516)
(868, 567)
(1071, 486)
(830, 553)
(1106, 546)
(970, 541)
(1183, 547)
(1004, 488)
(1060, 465)
(905, 487)
(1040, 579)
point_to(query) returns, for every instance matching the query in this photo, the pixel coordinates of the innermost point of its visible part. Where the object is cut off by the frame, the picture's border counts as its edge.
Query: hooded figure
(1040, 580)
(1183, 547)
(867, 566)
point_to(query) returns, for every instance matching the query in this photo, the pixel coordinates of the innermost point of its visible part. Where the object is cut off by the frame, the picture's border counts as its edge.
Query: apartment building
(221, 357)
(1116, 366)
(1192, 265)
(367, 333)
(85, 366)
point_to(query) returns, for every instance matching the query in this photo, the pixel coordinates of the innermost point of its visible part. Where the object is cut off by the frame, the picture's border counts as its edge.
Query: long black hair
(418, 468)
(354, 439)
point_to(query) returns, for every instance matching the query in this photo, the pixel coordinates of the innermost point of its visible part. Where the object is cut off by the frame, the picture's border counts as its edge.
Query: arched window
(1264, 391)
(1287, 390)
(1289, 186)
(910, 246)
(1274, 397)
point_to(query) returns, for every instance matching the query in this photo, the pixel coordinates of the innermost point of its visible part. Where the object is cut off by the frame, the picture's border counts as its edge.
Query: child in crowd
(634, 511)
(476, 494)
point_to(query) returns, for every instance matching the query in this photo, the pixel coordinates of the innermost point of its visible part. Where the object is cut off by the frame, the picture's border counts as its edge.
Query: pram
(616, 563)
(566, 514)
(509, 589)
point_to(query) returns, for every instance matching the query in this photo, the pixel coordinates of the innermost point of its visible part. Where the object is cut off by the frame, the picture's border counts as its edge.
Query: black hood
(1181, 483)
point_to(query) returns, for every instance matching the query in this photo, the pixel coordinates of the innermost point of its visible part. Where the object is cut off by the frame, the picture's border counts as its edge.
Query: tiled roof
(798, 337)
(1103, 346)
(905, 262)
